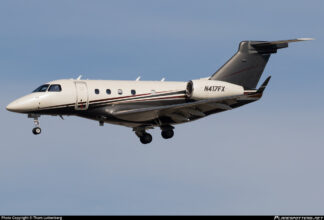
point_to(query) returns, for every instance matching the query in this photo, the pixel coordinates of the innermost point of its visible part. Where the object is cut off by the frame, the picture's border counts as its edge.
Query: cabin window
(133, 92)
(42, 88)
(55, 88)
(120, 91)
(108, 91)
(97, 91)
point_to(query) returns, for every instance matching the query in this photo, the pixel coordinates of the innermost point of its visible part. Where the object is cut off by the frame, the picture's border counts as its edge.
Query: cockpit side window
(55, 88)
(42, 88)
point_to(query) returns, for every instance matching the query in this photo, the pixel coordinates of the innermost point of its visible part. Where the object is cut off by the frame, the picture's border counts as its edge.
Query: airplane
(143, 105)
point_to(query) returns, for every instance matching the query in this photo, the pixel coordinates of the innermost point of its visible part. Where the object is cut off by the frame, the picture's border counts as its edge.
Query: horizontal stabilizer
(264, 43)
(273, 46)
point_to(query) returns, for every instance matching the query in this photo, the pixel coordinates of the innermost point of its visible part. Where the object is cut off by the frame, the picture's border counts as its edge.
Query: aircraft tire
(166, 134)
(146, 138)
(37, 130)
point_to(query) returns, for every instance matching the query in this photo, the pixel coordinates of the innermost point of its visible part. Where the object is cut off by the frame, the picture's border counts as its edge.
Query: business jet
(143, 105)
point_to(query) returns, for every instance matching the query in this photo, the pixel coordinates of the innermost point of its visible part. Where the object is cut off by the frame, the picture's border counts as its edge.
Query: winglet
(264, 85)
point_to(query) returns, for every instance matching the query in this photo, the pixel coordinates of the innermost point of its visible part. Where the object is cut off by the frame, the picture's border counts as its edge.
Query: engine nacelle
(209, 89)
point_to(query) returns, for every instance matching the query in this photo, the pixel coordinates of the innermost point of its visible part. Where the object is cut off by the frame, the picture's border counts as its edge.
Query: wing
(191, 110)
(177, 112)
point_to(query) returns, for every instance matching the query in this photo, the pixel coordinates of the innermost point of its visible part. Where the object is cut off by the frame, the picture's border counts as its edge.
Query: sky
(264, 158)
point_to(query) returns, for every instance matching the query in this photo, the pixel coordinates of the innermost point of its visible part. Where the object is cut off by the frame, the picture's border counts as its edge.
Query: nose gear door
(82, 98)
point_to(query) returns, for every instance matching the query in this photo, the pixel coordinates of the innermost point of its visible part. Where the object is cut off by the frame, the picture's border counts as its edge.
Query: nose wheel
(36, 130)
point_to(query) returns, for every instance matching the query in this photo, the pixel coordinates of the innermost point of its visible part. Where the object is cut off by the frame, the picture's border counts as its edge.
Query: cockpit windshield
(42, 88)
(55, 88)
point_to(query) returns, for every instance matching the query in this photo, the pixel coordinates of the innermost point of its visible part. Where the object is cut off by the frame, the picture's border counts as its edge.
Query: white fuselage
(137, 104)
(82, 94)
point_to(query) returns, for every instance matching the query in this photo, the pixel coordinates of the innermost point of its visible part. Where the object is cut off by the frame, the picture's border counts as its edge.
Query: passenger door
(82, 98)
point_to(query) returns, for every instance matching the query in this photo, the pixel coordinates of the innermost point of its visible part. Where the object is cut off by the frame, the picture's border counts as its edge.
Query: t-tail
(246, 66)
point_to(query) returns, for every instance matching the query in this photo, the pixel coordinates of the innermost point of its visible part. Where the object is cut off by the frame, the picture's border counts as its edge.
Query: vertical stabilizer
(246, 66)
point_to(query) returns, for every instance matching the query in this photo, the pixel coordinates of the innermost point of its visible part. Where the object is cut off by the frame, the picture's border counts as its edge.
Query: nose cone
(17, 106)
(23, 105)
(13, 107)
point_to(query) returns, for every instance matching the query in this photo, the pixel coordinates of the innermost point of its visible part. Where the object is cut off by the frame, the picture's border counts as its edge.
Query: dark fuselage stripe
(148, 95)
(124, 99)
(139, 100)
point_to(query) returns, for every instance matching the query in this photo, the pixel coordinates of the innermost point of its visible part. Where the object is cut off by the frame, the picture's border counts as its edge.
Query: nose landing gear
(36, 130)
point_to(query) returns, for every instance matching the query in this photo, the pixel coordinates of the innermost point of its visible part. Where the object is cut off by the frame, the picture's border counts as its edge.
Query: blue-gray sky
(263, 158)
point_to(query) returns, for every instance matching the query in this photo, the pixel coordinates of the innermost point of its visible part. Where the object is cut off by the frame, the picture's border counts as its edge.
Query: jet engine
(209, 89)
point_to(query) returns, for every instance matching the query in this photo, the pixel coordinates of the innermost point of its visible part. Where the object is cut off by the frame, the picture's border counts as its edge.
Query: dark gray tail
(246, 66)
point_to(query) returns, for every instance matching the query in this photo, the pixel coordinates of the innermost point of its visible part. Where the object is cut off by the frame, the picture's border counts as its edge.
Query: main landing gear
(36, 130)
(167, 132)
(146, 138)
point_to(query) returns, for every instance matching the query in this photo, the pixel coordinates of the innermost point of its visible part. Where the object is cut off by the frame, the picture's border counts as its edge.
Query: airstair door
(82, 98)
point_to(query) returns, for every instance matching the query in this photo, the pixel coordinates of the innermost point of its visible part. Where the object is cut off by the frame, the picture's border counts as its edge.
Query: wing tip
(305, 38)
